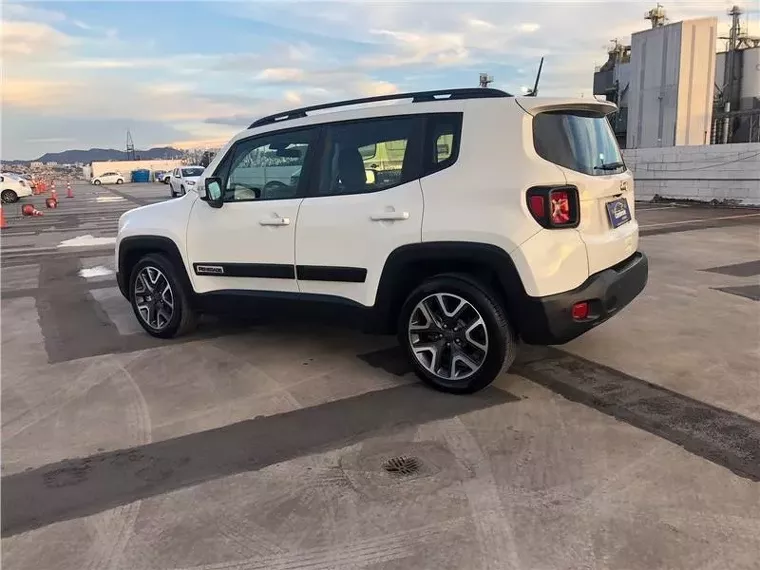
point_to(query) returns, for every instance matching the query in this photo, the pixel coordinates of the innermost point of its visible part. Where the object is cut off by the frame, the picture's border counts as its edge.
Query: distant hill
(102, 154)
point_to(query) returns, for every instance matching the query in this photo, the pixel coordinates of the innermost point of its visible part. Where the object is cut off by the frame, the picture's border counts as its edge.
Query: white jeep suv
(462, 220)
(184, 178)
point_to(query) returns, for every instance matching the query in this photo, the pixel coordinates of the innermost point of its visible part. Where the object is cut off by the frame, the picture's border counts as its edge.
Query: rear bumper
(548, 320)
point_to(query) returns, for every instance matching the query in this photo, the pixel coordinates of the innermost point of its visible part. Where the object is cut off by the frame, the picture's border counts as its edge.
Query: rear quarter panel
(481, 198)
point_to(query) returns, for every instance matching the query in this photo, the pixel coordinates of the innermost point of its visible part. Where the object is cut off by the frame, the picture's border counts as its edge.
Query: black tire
(183, 319)
(96, 182)
(172, 192)
(182, 191)
(9, 196)
(502, 344)
(119, 181)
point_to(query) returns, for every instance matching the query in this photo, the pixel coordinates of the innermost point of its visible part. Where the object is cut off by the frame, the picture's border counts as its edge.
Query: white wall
(728, 172)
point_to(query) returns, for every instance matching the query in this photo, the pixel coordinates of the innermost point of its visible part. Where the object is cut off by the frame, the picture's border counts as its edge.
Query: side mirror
(214, 192)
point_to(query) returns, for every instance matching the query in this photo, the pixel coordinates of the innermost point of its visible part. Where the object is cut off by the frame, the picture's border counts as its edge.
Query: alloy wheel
(448, 336)
(154, 297)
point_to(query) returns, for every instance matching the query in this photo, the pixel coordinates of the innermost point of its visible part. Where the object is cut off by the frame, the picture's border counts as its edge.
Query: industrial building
(673, 89)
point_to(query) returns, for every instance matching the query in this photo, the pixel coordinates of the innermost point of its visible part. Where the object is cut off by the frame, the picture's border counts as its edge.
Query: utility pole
(130, 147)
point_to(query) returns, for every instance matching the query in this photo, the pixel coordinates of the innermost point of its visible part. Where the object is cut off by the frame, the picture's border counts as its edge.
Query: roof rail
(416, 97)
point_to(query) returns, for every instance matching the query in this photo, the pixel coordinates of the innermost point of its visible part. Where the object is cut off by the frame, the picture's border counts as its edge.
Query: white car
(13, 187)
(109, 178)
(183, 179)
(460, 221)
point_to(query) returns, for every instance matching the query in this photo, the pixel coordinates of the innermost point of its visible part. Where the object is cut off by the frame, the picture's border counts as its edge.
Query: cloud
(527, 27)
(477, 23)
(417, 48)
(234, 120)
(52, 140)
(281, 74)
(29, 12)
(374, 88)
(30, 40)
(37, 93)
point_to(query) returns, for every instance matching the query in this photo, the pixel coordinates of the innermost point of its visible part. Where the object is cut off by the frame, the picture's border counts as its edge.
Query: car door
(358, 211)
(248, 244)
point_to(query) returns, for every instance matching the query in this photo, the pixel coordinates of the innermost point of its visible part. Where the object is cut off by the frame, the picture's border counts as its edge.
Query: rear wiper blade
(610, 166)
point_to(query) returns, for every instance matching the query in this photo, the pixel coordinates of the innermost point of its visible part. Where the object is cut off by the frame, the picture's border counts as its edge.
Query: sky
(192, 74)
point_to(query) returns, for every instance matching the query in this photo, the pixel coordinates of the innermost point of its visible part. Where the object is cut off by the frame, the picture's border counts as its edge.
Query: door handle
(390, 216)
(275, 222)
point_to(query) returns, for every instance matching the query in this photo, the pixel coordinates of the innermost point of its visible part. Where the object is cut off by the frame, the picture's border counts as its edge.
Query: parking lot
(281, 445)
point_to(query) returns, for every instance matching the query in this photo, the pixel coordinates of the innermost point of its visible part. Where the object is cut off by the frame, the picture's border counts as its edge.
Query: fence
(736, 127)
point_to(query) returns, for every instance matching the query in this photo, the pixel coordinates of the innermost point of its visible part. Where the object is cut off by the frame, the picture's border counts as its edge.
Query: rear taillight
(554, 207)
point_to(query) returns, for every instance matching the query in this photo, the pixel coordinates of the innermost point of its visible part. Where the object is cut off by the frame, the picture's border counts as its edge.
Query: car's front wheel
(456, 334)
(182, 191)
(96, 182)
(9, 196)
(159, 301)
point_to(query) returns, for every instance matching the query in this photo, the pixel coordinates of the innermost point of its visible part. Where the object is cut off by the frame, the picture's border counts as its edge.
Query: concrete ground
(637, 446)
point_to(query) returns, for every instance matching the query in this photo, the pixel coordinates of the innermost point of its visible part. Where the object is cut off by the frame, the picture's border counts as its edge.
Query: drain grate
(402, 465)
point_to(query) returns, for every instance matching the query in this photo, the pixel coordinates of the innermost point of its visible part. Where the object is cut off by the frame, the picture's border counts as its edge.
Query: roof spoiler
(533, 105)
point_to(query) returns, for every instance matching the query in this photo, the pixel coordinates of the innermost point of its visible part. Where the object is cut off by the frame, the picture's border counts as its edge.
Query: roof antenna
(533, 92)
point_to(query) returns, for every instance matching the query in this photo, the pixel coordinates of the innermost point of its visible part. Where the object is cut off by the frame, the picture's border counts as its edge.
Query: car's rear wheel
(9, 196)
(119, 181)
(456, 334)
(159, 301)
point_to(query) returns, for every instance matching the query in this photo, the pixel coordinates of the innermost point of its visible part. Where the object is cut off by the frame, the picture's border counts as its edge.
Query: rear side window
(577, 140)
(442, 141)
(369, 156)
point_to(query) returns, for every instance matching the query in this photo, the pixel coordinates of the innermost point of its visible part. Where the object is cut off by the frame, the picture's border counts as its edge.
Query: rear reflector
(580, 311)
(537, 206)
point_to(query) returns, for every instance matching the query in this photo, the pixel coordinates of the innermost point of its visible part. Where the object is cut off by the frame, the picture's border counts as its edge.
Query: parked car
(13, 187)
(158, 176)
(109, 178)
(166, 178)
(543, 254)
(183, 179)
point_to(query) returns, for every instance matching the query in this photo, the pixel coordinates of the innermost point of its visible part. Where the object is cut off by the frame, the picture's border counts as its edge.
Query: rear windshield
(580, 141)
(192, 172)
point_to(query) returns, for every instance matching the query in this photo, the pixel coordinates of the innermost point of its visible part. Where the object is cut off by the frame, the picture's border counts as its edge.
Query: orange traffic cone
(3, 224)
(51, 202)
(69, 193)
(53, 194)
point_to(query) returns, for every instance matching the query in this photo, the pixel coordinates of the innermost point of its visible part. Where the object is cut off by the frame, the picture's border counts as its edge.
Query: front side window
(268, 167)
(191, 172)
(578, 140)
(367, 156)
